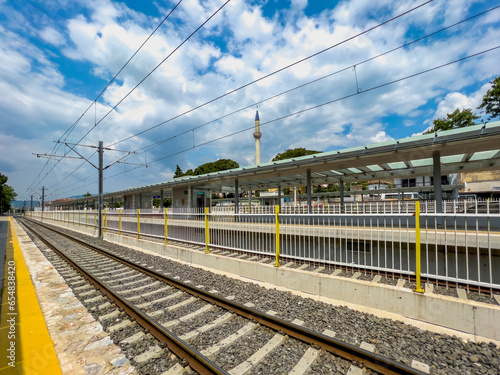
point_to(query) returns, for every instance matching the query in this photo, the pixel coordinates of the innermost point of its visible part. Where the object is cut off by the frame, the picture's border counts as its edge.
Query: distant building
(482, 184)
(377, 185)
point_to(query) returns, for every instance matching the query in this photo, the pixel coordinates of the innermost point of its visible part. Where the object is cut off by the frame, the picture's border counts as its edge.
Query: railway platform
(45, 329)
(56, 334)
(26, 345)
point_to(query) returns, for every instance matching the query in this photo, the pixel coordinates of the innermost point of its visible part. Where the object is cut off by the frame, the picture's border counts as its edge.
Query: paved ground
(4, 224)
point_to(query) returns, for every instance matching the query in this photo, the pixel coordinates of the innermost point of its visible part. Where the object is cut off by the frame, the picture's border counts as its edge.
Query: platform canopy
(469, 149)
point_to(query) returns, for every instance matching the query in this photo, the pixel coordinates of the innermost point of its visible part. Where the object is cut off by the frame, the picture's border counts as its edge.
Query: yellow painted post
(166, 227)
(138, 223)
(105, 220)
(417, 247)
(95, 220)
(120, 221)
(86, 217)
(207, 232)
(277, 264)
(79, 216)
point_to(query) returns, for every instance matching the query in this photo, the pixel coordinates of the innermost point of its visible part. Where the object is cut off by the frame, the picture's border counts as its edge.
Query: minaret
(257, 136)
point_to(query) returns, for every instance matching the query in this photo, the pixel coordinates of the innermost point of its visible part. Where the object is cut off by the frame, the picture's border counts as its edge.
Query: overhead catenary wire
(154, 69)
(406, 44)
(252, 105)
(250, 83)
(275, 72)
(94, 102)
(364, 91)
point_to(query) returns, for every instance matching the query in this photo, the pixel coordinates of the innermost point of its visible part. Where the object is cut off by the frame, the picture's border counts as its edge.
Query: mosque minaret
(257, 135)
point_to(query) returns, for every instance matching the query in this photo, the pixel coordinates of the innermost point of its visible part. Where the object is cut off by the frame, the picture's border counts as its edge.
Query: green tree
(294, 153)
(87, 194)
(167, 202)
(457, 119)
(491, 101)
(7, 194)
(216, 166)
(178, 172)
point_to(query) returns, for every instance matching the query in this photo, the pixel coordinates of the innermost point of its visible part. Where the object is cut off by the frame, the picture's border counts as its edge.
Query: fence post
(417, 247)
(95, 220)
(166, 226)
(138, 223)
(86, 217)
(277, 264)
(207, 233)
(105, 220)
(120, 221)
(79, 216)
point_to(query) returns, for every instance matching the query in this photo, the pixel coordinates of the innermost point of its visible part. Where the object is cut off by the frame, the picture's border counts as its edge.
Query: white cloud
(237, 46)
(456, 100)
(52, 36)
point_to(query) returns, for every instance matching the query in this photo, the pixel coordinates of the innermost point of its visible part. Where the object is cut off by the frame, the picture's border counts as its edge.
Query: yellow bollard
(277, 264)
(120, 221)
(138, 223)
(86, 216)
(166, 227)
(417, 247)
(207, 233)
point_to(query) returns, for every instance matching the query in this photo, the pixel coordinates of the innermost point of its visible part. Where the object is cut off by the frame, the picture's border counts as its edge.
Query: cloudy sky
(324, 75)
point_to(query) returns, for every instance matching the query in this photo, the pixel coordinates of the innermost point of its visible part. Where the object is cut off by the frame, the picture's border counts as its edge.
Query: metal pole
(277, 219)
(43, 198)
(341, 185)
(166, 225)
(100, 170)
(236, 197)
(438, 196)
(309, 190)
(417, 247)
(207, 232)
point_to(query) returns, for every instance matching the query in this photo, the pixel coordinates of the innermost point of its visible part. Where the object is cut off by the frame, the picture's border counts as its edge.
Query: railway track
(184, 325)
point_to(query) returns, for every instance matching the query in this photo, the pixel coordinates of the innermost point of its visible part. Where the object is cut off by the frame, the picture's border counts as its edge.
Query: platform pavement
(25, 344)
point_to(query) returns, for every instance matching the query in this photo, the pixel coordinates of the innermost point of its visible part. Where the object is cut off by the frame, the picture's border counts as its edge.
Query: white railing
(460, 245)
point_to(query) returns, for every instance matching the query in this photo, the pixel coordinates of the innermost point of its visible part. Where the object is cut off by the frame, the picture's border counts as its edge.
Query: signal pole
(100, 169)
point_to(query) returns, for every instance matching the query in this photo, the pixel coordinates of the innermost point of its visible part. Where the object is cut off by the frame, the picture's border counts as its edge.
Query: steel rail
(347, 351)
(196, 360)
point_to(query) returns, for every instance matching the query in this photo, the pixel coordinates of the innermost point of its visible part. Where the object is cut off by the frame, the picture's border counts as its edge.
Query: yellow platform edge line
(34, 347)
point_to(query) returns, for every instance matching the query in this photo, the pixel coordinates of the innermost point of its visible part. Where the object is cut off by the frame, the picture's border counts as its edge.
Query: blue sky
(58, 56)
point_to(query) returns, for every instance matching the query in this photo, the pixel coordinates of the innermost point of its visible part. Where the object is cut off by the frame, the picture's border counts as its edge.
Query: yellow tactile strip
(81, 345)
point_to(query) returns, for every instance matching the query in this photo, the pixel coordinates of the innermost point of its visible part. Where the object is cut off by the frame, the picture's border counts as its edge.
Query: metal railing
(461, 245)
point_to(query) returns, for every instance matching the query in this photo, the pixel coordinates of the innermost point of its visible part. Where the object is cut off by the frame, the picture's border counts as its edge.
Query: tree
(7, 194)
(491, 101)
(457, 119)
(178, 172)
(294, 153)
(216, 166)
(87, 194)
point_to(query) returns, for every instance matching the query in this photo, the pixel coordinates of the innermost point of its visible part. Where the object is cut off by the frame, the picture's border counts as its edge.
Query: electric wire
(158, 143)
(248, 84)
(94, 102)
(366, 60)
(373, 88)
(335, 100)
(152, 71)
(275, 72)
